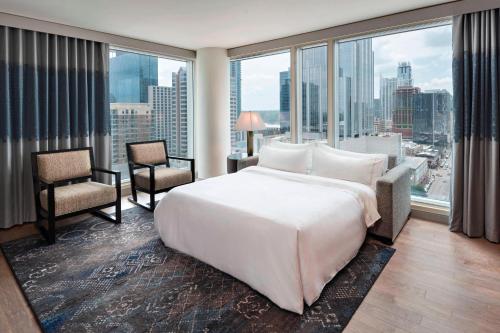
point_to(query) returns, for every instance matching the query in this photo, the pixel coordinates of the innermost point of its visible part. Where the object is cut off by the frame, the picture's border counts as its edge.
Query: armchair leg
(134, 193)
(118, 212)
(152, 201)
(51, 235)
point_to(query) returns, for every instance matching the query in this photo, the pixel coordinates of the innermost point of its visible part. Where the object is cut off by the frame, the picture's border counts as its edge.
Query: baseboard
(429, 212)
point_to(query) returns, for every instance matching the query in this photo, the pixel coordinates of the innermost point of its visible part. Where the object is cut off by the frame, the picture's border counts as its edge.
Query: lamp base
(250, 143)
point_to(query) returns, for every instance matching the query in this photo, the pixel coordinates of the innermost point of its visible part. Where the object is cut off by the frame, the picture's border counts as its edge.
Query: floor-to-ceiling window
(261, 84)
(312, 94)
(393, 95)
(151, 98)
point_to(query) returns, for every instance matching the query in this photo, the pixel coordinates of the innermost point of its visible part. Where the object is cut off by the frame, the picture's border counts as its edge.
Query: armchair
(65, 185)
(149, 155)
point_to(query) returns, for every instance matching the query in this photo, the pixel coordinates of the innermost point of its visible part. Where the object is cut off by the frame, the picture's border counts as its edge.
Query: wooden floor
(437, 281)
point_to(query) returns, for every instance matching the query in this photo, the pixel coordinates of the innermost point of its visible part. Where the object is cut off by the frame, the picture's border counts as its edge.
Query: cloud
(428, 50)
(165, 69)
(260, 81)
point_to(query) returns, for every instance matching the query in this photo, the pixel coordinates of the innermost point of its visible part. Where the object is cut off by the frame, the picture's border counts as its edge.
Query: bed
(284, 234)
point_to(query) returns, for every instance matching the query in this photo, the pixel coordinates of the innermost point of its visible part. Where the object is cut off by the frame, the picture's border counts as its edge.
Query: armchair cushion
(164, 178)
(76, 197)
(148, 153)
(64, 165)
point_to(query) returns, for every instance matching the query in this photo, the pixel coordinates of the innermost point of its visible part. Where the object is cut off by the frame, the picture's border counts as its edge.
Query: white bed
(284, 234)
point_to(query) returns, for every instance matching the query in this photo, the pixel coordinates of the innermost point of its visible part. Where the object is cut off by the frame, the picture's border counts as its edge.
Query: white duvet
(284, 234)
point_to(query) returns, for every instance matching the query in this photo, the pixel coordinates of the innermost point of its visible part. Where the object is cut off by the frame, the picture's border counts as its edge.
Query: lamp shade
(250, 121)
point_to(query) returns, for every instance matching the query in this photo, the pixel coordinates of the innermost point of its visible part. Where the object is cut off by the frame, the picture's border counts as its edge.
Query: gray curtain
(53, 95)
(475, 202)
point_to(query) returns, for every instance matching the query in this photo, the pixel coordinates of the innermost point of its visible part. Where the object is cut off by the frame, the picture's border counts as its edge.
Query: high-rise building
(388, 88)
(285, 101)
(404, 108)
(180, 86)
(235, 100)
(130, 75)
(314, 93)
(356, 71)
(431, 118)
(170, 113)
(162, 102)
(405, 78)
(129, 122)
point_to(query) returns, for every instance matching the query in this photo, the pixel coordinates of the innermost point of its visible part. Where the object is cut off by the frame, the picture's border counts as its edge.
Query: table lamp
(250, 121)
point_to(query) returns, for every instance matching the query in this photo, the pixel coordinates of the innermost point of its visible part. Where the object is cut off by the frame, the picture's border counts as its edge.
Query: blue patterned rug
(102, 277)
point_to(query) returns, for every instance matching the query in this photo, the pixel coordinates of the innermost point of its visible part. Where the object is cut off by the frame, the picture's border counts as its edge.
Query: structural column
(212, 117)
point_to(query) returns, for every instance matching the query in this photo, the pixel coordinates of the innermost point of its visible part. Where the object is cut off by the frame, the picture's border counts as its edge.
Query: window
(150, 99)
(312, 106)
(393, 95)
(261, 84)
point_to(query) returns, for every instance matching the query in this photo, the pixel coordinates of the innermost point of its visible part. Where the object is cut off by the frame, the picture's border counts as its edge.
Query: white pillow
(347, 153)
(296, 146)
(331, 165)
(292, 160)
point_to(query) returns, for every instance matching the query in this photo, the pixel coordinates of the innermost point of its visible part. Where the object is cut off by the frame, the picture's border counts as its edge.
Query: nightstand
(232, 161)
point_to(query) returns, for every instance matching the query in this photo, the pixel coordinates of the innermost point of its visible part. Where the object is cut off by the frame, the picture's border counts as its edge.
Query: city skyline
(431, 65)
(149, 101)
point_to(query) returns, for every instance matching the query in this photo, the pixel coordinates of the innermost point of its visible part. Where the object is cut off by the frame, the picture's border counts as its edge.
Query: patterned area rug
(105, 277)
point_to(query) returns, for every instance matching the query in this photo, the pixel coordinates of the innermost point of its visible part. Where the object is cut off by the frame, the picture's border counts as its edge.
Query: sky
(260, 81)
(165, 69)
(428, 50)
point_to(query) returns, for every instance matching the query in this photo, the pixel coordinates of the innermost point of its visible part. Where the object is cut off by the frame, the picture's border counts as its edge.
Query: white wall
(212, 119)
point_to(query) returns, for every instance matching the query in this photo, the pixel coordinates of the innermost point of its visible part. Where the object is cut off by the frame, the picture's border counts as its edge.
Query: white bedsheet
(284, 234)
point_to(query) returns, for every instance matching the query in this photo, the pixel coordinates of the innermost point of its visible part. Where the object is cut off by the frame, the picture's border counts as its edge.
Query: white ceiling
(194, 24)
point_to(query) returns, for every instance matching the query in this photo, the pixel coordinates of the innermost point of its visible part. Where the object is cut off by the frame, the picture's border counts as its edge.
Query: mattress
(284, 234)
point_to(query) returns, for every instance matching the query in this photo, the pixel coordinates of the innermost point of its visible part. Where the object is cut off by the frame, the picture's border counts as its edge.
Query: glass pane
(261, 84)
(151, 98)
(313, 103)
(393, 96)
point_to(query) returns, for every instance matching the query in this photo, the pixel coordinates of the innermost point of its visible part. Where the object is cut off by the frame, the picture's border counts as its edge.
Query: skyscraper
(129, 122)
(285, 101)
(404, 108)
(314, 93)
(388, 88)
(179, 85)
(431, 119)
(356, 70)
(130, 75)
(162, 102)
(405, 78)
(170, 112)
(235, 99)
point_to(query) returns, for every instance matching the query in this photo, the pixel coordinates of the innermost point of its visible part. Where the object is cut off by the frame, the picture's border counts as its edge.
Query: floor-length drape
(53, 95)
(475, 202)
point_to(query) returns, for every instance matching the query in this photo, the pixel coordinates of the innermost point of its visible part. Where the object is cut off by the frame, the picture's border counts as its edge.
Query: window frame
(191, 79)
(332, 63)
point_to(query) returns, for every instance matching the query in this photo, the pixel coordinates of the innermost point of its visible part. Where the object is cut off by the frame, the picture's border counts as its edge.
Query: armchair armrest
(117, 174)
(246, 162)
(181, 158)
(393, 201)
(144, 165)
(106, 171)
(191, 163)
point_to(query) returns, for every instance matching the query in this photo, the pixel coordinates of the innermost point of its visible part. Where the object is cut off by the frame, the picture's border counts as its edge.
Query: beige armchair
(65, 185)
(158, 176)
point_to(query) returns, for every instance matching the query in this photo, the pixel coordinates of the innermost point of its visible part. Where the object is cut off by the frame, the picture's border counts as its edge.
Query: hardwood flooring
(437, 281)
